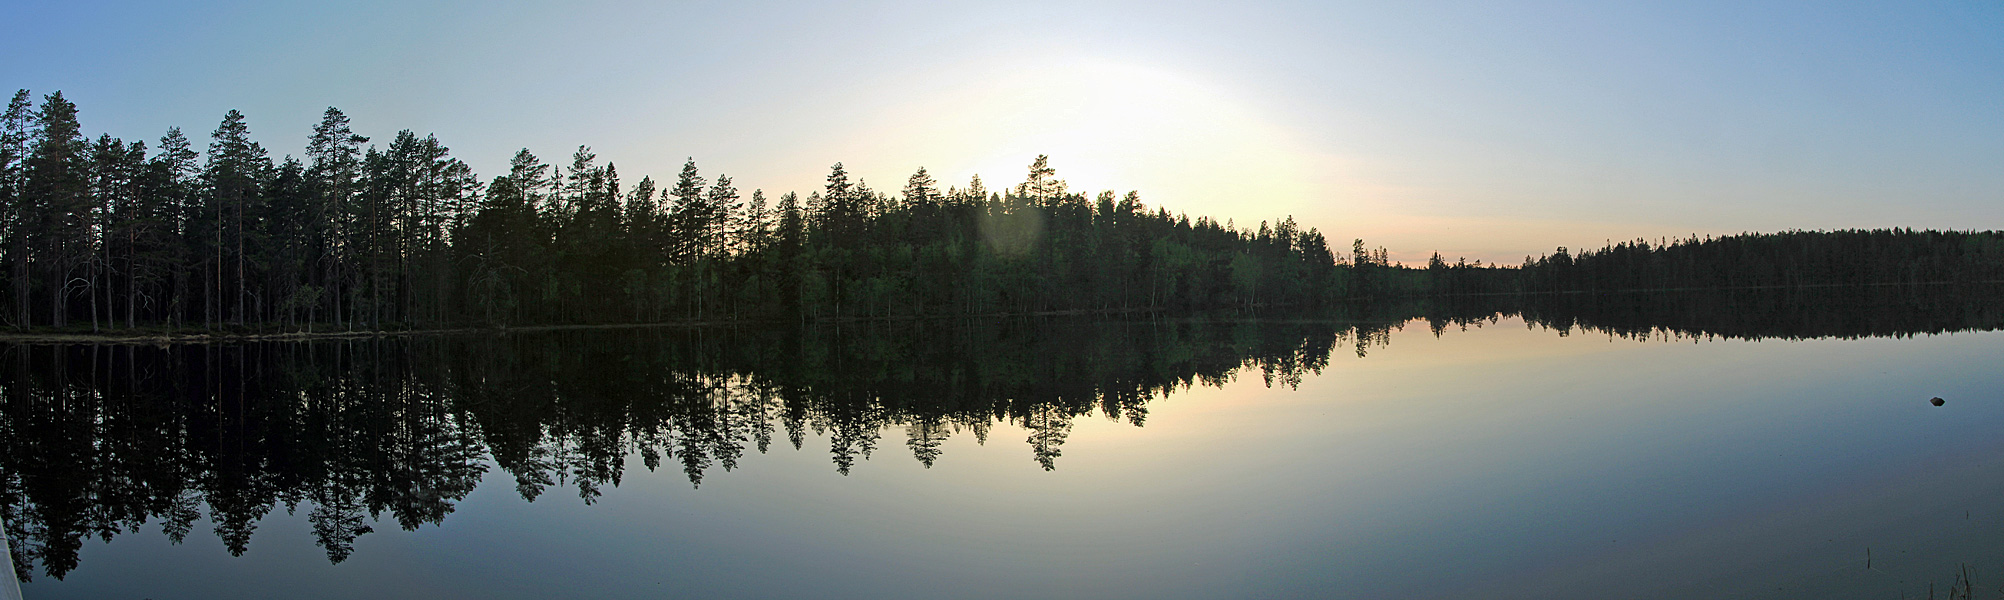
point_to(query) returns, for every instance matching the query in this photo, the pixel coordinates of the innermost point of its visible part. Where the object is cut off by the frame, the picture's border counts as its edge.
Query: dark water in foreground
(1746, 445)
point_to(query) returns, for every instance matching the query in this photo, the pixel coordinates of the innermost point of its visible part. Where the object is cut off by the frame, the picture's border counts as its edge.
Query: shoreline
(159, 336)
(211, 336)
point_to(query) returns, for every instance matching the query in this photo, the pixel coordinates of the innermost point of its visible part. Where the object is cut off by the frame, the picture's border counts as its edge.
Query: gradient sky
(1483, 130)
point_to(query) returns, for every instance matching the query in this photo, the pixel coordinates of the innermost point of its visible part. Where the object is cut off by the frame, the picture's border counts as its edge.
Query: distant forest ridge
(355, 237)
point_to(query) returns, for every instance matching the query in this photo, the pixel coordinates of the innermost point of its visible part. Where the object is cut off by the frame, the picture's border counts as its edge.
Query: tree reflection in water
(104, 439)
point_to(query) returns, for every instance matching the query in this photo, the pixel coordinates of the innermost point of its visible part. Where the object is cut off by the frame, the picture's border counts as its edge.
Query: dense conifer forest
(118, 235)
(1786, 259)
(353, 236)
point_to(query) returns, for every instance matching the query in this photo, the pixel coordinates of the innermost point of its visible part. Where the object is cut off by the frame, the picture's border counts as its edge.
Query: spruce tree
(688, 215)
(757, 222)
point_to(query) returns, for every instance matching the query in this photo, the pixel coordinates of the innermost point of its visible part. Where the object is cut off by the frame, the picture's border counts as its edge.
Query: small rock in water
(1937, 401)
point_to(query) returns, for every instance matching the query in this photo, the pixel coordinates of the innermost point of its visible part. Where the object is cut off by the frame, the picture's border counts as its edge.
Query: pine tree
(284, 227)
(235, 175)
(725, 210)
(171, 179)
(642, 220)
(16, 129)
(446, 192)
(1042, 185)
(788, 240)
(116, 172)
(333, 178)
(975, 193)
(505, 243)
(57, 196)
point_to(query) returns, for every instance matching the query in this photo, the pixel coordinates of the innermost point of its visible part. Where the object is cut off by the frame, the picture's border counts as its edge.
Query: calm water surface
(1274, 458)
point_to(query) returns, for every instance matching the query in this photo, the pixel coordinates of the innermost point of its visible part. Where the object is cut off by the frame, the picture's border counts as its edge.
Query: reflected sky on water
(1496, 461)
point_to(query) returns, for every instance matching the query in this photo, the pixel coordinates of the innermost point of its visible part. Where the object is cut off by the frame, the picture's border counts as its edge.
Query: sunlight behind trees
(1103, 123)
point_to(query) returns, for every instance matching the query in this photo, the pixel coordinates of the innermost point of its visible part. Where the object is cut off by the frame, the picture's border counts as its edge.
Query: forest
(117, 235)
(105, 234)
(1896, 256)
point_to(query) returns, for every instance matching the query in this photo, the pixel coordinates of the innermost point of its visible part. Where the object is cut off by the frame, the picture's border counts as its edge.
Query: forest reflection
(105, 439)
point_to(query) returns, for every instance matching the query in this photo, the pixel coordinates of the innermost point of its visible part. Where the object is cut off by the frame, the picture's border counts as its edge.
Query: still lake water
(1512, 455)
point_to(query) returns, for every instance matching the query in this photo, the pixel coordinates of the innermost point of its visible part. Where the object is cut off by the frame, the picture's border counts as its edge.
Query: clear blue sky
(1486, 130)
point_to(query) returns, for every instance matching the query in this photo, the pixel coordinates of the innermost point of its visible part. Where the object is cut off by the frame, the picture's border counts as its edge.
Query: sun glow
(1183, 143)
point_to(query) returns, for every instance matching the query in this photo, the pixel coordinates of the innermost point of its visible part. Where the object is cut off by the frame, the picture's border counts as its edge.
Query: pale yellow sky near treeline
(1488, 131)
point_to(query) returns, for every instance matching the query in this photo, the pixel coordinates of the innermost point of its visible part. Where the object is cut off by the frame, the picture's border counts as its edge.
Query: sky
(1484, 130)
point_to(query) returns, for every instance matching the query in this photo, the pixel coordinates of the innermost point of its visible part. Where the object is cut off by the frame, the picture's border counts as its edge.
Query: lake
(1758, 444)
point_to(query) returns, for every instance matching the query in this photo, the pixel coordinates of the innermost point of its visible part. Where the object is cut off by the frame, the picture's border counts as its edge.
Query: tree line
(356, 236)
(352, 235)
(1848, 257)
